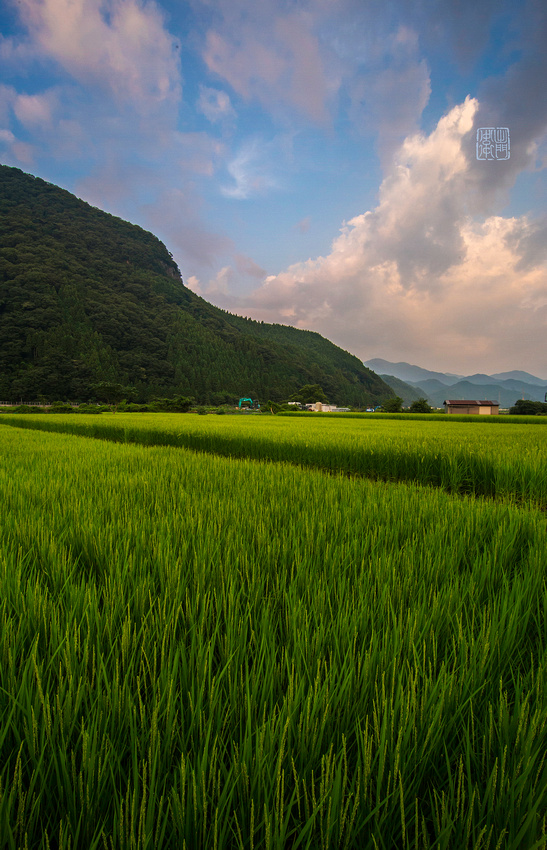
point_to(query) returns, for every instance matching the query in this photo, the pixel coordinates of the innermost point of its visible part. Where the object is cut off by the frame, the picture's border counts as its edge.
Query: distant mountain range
(505, 387)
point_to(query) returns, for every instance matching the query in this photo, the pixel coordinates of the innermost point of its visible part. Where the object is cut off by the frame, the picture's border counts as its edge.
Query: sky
(309, 162)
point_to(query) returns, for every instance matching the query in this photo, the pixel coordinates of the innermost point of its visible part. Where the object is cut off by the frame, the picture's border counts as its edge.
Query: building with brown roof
(460, 405)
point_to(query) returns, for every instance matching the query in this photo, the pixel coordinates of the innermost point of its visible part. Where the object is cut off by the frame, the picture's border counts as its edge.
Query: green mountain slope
(402, 389)
(87, 297)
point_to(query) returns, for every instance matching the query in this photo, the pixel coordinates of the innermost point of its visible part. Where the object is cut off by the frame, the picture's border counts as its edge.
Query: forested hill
(86, 297)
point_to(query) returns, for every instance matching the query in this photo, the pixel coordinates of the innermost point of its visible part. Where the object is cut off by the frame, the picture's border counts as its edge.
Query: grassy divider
(459, 459)
(202, 652)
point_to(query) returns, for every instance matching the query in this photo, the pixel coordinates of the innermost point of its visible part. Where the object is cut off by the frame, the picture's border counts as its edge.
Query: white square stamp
(493, 143)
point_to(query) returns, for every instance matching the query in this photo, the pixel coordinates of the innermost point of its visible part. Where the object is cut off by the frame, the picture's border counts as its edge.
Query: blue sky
(311, 162)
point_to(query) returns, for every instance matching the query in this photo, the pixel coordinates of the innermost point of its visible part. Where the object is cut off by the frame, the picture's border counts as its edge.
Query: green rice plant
(203, 652)
(459, 457)
(501, 419)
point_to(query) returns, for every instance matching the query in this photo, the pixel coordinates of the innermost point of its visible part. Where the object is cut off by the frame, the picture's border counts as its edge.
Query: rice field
(502, 461)
(199, 651)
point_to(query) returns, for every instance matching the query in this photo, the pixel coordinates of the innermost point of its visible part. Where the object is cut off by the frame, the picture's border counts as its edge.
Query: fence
(33, 403)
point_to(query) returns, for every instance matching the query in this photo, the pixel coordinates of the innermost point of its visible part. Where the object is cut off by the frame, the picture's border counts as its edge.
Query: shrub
(526, 407)
(421, 405)
(392, 405)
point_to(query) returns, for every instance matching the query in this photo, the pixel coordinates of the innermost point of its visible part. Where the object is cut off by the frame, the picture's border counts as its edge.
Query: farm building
(487, 408)
(327, 408)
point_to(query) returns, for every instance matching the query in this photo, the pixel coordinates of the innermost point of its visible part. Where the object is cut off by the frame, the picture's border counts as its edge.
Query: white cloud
(417, 273)
(23, 152)
(194, 284)
(7, 137)
(247, 266)
(309, 62)
(113, 118)
(198, 153)
(15, 152)
(175, 215)
(390, 91)
(35, 110)
(121, 44)
(215, 105)
(250, 171)
(272, 57)
(16, 52)
(230, 282)
(8, 96)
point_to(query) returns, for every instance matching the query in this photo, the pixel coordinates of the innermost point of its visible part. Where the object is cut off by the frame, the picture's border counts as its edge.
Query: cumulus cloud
(528, 239)
(432, 261)
(419, 269)
(230, 283)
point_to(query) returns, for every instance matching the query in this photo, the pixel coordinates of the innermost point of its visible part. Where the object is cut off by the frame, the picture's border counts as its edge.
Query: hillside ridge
(86, 297)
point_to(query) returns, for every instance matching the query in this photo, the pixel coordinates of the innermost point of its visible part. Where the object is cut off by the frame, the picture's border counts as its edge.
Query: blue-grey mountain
(505, 387)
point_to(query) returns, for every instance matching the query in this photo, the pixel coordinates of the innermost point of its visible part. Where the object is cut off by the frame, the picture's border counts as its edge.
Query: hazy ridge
(505, 387)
